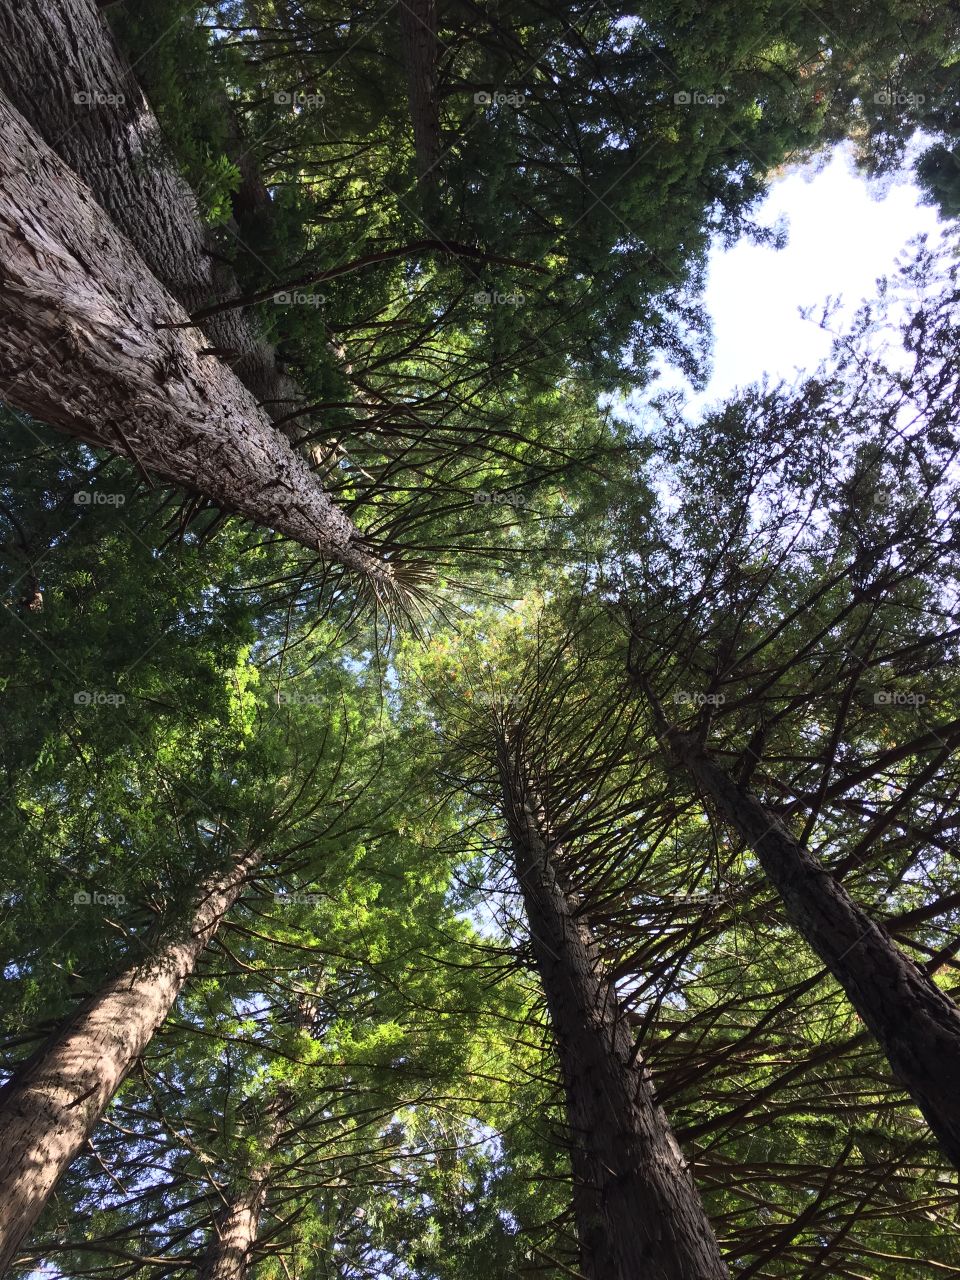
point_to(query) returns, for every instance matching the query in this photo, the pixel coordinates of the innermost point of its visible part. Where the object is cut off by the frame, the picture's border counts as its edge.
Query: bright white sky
(841, 237)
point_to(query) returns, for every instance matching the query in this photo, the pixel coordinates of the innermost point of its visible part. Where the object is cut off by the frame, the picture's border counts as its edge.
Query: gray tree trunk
(81, 349)
(638, 1213)
(50, 1108)
(62, 70)
(915, 1023)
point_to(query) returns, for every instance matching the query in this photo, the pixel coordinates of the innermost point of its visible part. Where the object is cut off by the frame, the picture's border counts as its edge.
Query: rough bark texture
(230, 1251)
(80, 349)
(49, 1109)
(418, 39)
(229, 1254)
(638, 1213)
(51, 53)
(915, 1023)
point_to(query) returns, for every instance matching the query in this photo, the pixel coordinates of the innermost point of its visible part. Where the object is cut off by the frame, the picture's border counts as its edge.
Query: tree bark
(915, 1023)
(50, 1108)
(53, 53)
(229, 1253)
(418, 40)
(81, 348)
(637, 1210)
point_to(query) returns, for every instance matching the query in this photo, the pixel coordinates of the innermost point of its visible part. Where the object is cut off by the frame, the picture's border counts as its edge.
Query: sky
(841, 237)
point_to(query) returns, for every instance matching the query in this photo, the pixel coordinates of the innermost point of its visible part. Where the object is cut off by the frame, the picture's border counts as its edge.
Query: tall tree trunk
(915, 1023)
(62, 70)
(229, 1253)
(418, 40)
(637, 1210)
(81, 349)
(50, 1108)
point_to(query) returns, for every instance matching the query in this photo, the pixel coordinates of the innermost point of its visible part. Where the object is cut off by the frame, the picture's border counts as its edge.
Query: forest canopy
(470, 812)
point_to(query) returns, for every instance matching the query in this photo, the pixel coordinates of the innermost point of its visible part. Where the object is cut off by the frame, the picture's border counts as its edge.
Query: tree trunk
(418, 40)
(638, 1213)
(51, 1106)
(80, 349)
(229, 1253)
(51, 55)
(915, 1023)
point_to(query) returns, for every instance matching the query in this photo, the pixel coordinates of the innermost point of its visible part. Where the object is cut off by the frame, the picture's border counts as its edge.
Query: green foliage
(180, 67)
(367, 1032)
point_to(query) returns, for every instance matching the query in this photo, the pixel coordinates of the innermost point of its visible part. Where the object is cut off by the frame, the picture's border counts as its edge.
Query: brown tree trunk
(915, 1023)
(229, 1253)
(418, 40)
(51, 55)
(80, 349)
(50, 1108)
(638, 1213)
